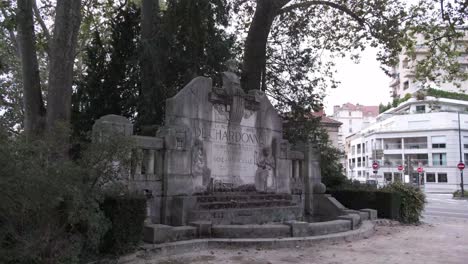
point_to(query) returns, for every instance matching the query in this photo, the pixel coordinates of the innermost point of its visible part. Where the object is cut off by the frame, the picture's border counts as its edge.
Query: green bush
(412, 201)
(127, 215)
(50, 209)
(387, 204)
(457, 193)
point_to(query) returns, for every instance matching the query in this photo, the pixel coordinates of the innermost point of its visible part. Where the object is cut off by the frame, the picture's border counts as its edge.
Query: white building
(403, 81)
(417, 133)
(353, 119)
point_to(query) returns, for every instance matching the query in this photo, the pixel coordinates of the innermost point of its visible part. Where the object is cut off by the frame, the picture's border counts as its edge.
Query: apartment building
(417, 134)
(353, 119)
(403, 75)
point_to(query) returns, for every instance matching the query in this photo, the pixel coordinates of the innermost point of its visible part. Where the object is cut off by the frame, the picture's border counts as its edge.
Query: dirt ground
(441, 240)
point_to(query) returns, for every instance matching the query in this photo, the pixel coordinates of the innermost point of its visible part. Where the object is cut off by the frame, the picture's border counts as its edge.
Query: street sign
(420, 170)
(400, 167)
(461, 166)
(375, 165)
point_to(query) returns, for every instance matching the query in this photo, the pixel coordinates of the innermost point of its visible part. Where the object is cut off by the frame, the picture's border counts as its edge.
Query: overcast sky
(364, 83)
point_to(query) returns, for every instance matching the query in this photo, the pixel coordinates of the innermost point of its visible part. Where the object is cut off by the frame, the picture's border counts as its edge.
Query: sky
(364, 83)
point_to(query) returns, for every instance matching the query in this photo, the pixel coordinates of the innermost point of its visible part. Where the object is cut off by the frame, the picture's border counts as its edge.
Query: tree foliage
(110, 81)
(50, 212)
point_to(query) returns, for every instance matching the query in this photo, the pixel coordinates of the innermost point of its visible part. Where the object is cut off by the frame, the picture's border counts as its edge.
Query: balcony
(420, 145)
(392, 145)
(393, 162)
(416, 163)
(408, 73)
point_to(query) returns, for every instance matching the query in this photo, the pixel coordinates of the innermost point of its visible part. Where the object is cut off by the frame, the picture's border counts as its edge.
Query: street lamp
(461, 157)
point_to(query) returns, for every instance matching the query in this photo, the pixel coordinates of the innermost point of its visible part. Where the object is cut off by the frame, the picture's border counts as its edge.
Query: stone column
(139, 161)
(297, 168)
(150, 164)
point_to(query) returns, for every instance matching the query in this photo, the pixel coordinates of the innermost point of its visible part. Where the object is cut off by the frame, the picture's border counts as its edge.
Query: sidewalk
(444, 240)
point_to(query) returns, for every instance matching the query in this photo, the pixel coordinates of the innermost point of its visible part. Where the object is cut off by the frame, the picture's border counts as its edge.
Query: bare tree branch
(37, 14)
(307, 4)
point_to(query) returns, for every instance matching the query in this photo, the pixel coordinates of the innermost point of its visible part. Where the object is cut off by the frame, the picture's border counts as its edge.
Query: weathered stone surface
(248, 215)
(157, 233)
(329, 227)
(372, 213)
(203, 227)
(231, 138)
(250, 231)
(355, 219)
(298, 228)
(183, 233)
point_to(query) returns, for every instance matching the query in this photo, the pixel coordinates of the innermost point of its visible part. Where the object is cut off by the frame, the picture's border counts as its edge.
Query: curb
(153, 251)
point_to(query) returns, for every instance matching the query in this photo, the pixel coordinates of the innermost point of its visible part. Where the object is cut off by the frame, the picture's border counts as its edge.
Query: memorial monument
(221, 158)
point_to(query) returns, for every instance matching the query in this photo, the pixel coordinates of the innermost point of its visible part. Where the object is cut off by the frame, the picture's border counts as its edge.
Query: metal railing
(392, 145)
(416, 145)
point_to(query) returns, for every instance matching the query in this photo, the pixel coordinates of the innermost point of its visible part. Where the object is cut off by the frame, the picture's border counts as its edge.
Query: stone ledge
(153, 251)
(249, 231)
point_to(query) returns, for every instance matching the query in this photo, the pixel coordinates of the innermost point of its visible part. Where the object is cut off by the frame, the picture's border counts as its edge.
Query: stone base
(247, 216)
(251, 231)
(354, 218)
(157, 233)
(372, 214)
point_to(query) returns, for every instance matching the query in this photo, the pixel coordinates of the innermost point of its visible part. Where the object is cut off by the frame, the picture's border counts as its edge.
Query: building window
(466, 158)
(405, 85)
(363, 147)
(388, 176)
(350, 130)
(439, 159)
(420, 109)
(359, 173)
(438, 142)
(430, 177)
(441, 177)
(349, 113)
(353, 150)
(465, 142)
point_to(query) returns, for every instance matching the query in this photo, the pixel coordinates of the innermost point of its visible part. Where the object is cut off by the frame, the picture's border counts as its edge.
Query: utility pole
(461, 157)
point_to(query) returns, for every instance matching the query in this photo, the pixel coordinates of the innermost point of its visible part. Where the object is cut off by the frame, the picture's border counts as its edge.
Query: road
(442, 205)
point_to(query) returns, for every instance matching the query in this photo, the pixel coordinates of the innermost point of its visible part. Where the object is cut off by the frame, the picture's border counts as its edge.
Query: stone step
(243, 204)
(260, 215)
(242, 197)
(157, 233)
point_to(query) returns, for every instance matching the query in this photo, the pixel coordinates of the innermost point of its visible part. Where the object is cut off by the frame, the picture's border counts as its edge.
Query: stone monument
(221, 158)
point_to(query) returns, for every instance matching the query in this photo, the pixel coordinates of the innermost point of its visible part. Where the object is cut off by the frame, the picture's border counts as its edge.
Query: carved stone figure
(200, 172)
(264, 176)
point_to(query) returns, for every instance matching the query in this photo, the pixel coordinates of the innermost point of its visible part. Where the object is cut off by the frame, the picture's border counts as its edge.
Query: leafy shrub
(412, 201)
(457, 193)
(127, 215)
(50, 210)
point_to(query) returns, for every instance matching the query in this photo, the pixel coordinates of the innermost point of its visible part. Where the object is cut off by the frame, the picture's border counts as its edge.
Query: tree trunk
(34, 110)
(62, 56)
(255, 44)
(149, 71)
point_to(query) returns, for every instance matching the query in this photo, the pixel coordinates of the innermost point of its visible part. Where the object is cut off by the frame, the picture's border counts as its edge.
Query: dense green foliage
(126, 214)
(396, 102)
(458, 193)
(446, 94)
(50, 211)
(386, 203)
(110, 82)
(412, 201)
(302, 127)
